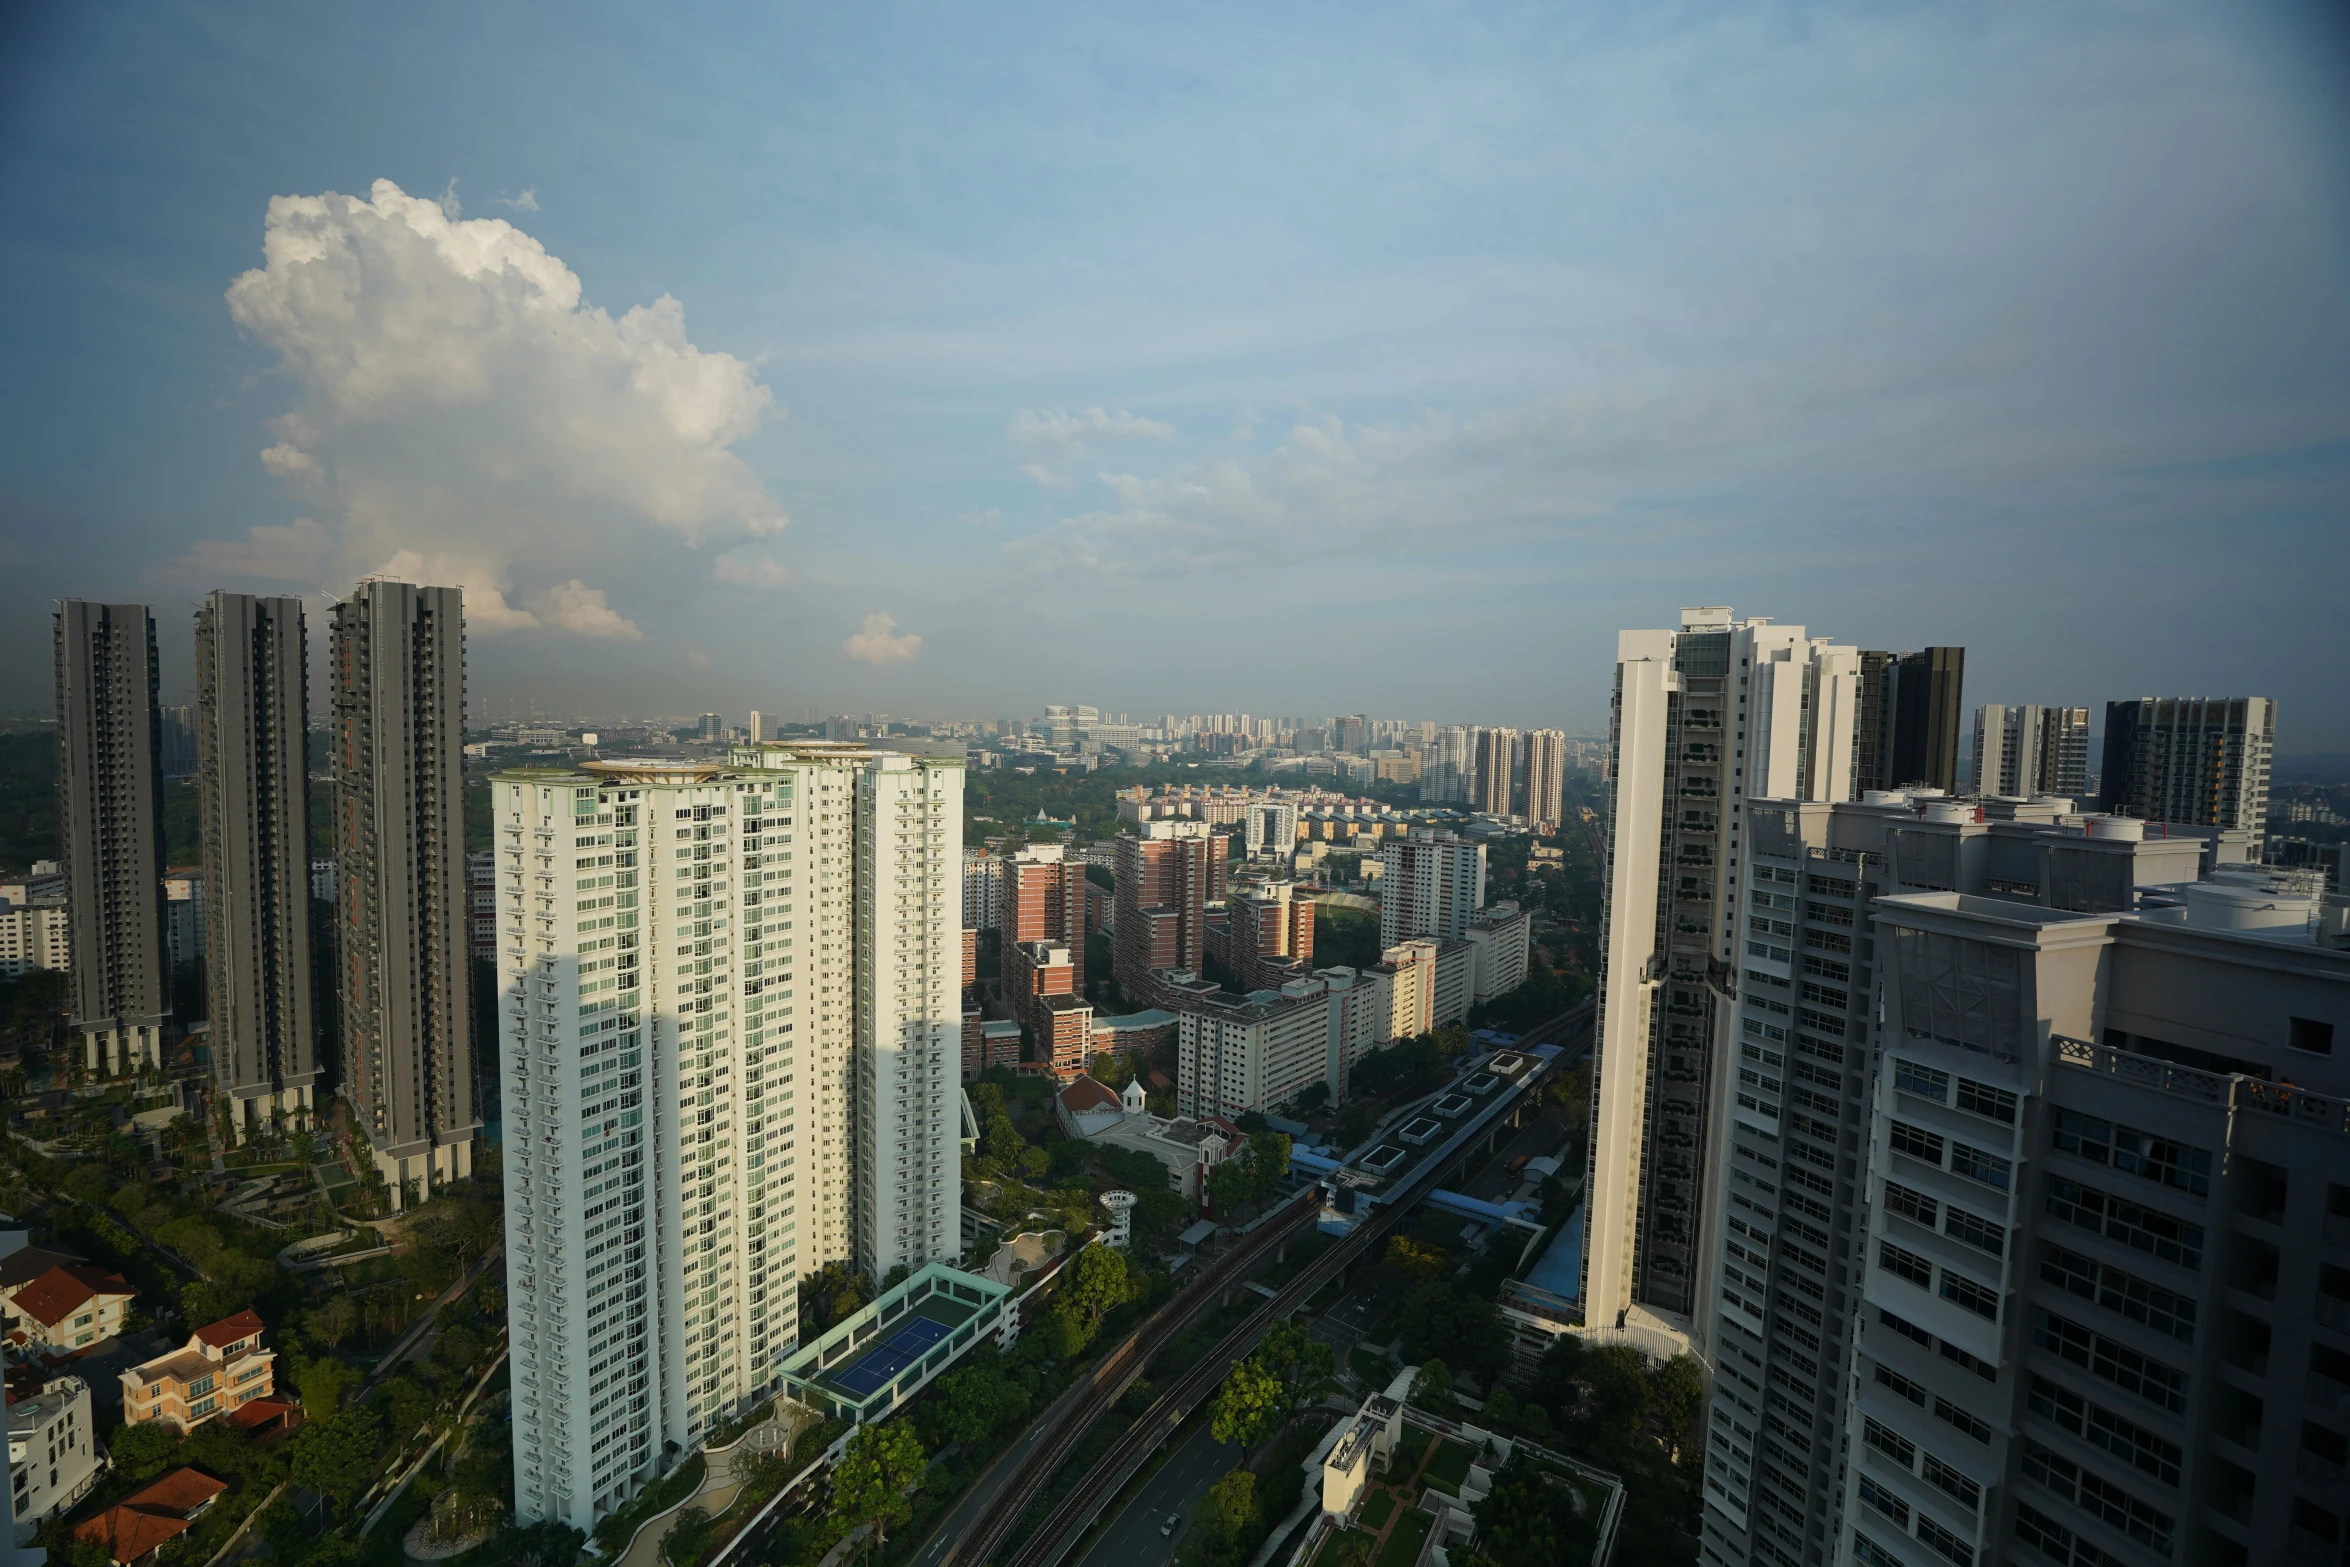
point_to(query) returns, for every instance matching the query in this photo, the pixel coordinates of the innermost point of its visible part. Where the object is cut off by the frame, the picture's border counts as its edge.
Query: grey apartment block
(252, 723)
(1793, 1204)
(1908, 719)
(397, 707)
(2190, 759)
(110, 810)
(2082, 1282)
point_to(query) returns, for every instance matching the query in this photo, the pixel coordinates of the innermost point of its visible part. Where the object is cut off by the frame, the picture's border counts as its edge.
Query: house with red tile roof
(222, 1367)
(68, 1307)
(135, 1528)
(1086, 1106)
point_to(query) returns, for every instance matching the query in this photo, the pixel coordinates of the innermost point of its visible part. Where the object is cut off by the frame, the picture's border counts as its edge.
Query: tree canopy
(1529, 1519)
(1248, 1406)
(870, 1482)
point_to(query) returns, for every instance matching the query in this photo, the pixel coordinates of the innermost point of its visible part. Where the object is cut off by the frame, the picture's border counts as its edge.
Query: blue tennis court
(881, 1364)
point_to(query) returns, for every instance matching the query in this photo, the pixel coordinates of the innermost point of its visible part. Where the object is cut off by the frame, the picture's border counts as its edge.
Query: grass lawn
(1451, 1464)
(1410, 1443)
(1376, 1508)
(1347, 1545)
(1403, 1546)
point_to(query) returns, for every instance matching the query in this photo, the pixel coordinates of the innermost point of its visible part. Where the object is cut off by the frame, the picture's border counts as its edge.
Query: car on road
(1173, 1523)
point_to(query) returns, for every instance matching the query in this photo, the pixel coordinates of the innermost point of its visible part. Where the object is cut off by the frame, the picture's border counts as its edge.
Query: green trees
(1432, 1391)
(869, 1484)
(1248, 1406)
(1677, 1398)
(1637, 1419)
(1094, 1283)
(1411, 1066)
(1417, 1260)
(1255, 1169)
(1229, 1505)
(335, 1457)
(972, 1402)
(1264, 1392)
(1439, 1320)
(1616, 1390)
(141, 1452)
(1529, 1519)
(834, 1292)
(1300, 1365)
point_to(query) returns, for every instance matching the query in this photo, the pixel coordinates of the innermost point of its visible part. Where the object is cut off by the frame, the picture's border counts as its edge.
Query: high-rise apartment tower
(1043, 899)
(743, 984)
(1546, 779)
(2194, 760)
(1430, 884)
(1793, 1225)
(1167, 873)
(2022, 751)
(1497, 771)
(1906, 734)
(1701, 717)
(2104, 1313)
(252, 730)
(110, 819)
(396, 731)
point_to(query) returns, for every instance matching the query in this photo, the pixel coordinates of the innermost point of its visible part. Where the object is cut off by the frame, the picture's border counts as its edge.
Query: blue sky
(1297, 360)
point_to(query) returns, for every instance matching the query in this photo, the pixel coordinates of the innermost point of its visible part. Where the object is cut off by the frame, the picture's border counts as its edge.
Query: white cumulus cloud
(576, 607)
(461, 415)
(875, 644)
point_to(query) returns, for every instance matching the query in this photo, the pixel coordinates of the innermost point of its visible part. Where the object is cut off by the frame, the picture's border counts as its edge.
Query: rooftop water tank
(2121, 829)
(2216, 905)
(1884, 797)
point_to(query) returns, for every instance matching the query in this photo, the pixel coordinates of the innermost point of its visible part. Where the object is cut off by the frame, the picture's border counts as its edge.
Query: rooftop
(64, 1290)
(228, 1330)
(22, 1267)
(180, 1365)
(1085, 1094)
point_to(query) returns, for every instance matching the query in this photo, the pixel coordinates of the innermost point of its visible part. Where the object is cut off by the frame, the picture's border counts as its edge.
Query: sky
(954, 360)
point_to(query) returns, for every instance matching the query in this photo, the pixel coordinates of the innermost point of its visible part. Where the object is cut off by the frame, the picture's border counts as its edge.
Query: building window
(2119, 1364)
(1960, 1290)
(1993, 1104)
(1884, 1501)
(2155, 1233)
(2180, 1166)
(1977, 1165)
(2314, 1035)
(1924, 1081)
(1916, 1142)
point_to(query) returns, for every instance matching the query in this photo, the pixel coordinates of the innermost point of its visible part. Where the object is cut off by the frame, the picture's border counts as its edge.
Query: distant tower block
(1121, 1206)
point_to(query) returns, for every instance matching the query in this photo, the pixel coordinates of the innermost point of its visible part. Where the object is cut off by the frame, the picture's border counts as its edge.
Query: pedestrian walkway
(723, 1476)
(1387, 1523)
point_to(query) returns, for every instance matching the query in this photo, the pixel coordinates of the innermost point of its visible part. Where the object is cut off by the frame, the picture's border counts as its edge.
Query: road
(949, 1533)
(1133, 1538)
(406, 1346)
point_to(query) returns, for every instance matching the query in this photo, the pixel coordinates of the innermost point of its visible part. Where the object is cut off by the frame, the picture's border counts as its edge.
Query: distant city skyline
(836, 362)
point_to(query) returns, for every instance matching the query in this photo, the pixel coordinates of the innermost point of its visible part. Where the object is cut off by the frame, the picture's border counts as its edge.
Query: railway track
(1077, 1508)
(1117, 1373)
